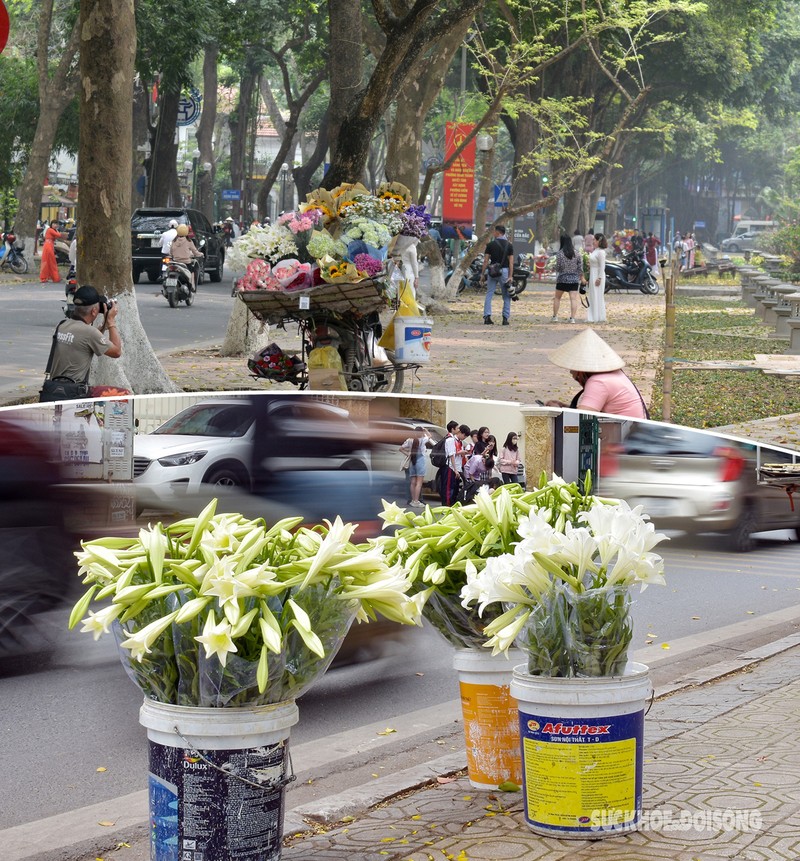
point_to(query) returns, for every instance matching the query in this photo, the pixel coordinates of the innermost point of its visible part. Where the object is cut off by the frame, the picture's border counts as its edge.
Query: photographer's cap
(86, 295)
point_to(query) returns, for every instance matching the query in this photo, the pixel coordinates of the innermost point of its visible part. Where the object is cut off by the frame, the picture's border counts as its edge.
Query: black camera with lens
(106, 304)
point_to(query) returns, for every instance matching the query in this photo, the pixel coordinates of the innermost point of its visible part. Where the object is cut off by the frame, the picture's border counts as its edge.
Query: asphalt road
(67, 716)
(29, 313)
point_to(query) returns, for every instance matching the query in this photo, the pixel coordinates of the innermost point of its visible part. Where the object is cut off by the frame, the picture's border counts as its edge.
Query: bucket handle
(288, 777)
(652, 700)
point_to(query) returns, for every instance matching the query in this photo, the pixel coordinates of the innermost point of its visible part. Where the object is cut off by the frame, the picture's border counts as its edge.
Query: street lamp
(484, 143)
(284, 177)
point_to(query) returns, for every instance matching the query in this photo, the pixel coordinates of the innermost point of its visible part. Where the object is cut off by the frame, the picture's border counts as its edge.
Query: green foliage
(709, 329)
(786, 242)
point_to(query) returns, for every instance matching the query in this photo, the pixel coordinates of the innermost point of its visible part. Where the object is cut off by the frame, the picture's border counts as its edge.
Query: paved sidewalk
(721, 781)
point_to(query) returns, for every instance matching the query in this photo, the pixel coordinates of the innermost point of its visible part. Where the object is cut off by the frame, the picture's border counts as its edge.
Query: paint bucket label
(413, 337)
(582, 775)
(198, 812)
(491, 730)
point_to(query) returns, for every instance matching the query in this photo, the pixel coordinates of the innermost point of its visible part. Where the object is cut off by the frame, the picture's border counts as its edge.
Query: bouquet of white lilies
(548, 570)
(565, 587)
(219, 610)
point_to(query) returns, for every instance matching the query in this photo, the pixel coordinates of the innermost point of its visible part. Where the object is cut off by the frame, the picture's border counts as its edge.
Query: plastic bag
(408, 308)
(325, 369)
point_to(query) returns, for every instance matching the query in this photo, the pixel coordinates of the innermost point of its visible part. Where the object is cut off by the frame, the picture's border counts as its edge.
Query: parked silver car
(697, 482)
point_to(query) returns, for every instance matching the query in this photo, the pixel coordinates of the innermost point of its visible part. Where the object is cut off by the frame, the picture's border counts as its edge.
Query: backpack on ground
(438, 455)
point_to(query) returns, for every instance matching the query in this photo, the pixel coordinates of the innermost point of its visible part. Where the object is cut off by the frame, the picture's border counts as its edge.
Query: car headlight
(183, 459)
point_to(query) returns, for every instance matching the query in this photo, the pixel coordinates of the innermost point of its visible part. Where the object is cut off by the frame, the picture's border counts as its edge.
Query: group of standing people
(473, 459)
(581, 270)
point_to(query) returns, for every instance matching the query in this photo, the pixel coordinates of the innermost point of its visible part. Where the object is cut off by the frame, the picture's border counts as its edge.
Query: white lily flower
(98, 623)
(216, 639)
(141, 642)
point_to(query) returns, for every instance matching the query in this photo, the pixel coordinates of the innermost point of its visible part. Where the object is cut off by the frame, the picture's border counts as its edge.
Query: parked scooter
(633, 272)
(177, 282)
(11, 255)
(69, 292)
(471, 279)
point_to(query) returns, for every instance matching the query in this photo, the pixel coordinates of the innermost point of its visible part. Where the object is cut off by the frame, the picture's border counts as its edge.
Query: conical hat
(588, 352)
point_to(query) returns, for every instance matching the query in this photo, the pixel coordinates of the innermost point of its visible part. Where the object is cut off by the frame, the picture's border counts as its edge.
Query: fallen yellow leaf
(387, 731)
(665, 645)
(106, 824)
(102, 768)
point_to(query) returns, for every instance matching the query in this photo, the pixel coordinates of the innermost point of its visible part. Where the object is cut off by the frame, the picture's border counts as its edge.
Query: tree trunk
(55, 93)
(107, 52)
(414, 101)
(239, 124)
(141, 133)
(163, 188)
(408, 38)
(205, 134)
(245, 334)
(346, 61)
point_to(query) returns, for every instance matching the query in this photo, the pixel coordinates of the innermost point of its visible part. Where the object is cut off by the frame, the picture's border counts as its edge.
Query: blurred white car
(211, 443)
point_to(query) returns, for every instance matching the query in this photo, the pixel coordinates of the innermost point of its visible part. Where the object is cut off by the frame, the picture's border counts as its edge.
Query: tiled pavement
(709, 752)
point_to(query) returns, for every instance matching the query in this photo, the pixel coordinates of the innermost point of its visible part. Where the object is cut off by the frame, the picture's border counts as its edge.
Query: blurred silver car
(696, 482)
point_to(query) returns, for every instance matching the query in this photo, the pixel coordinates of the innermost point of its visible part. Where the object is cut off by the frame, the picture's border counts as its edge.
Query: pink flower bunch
(301, 222)
(368, 264)
(258, 276)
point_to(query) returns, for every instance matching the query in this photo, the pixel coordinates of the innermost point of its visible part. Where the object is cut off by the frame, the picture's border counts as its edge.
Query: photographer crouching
(76, 341)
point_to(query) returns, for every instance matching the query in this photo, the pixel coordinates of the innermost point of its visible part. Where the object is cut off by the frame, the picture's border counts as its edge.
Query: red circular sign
(4, 26)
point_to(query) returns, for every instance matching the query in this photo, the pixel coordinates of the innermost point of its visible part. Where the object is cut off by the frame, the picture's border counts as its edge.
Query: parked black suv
(147, 225)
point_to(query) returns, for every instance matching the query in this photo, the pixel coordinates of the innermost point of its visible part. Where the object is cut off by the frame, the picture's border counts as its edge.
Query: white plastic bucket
(412, 339)
(582, 751)
(491, 720)
(217, 780)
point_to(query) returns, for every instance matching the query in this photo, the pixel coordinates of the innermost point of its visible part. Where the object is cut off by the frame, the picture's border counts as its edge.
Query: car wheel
(216, 274)
(733, 248)
(154, 275)
(224, 476)
(354, 465)
(741, 535)
(136, 274)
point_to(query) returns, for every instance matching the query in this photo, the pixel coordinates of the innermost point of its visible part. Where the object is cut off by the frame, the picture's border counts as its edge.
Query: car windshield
(152, 222)
(658, 440)
(227, 420)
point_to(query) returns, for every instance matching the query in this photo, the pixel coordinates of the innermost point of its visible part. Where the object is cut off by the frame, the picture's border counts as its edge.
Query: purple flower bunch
(416, 221)
(368, 264)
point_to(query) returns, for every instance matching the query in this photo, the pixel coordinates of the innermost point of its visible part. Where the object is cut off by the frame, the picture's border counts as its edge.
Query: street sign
(231, 194)
(502, 195)
(601, 203)
(698, 225)
(189, 108)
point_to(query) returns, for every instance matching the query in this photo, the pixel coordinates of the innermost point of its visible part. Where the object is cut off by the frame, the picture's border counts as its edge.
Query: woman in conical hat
(597, 368)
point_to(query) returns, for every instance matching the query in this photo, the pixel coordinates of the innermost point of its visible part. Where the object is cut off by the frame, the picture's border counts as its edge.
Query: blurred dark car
(147, 225)
(697, 482)
(37, 569)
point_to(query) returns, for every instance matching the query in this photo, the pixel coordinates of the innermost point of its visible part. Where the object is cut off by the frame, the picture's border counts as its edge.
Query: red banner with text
(458, 197)
(4, 26)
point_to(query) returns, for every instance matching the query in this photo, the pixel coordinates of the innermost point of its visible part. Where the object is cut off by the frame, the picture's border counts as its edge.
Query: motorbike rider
(167, 236)
(597, 368)
(184, 251)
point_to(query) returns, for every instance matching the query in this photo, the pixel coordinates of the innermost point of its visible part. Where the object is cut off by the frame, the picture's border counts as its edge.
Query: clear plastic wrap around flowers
(461, 627)
(177, 670)
(583, 634)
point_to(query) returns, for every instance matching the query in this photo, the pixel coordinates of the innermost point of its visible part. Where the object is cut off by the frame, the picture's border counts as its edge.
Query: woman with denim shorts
(414, 448)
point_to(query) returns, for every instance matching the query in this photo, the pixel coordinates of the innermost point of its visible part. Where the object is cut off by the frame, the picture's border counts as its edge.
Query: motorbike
(61, 248)
(11, 254)
(632, 272)
(471, 280)
(177, 283)
(69, 292)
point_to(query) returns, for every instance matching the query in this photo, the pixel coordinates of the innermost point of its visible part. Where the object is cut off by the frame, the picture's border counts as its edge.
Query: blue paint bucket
(217, 780)
(582, 751)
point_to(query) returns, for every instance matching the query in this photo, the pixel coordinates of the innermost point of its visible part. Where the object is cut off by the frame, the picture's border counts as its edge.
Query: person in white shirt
(167, 236)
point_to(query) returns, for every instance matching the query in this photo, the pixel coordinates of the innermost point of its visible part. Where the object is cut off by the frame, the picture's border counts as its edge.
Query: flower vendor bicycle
(339, 328)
